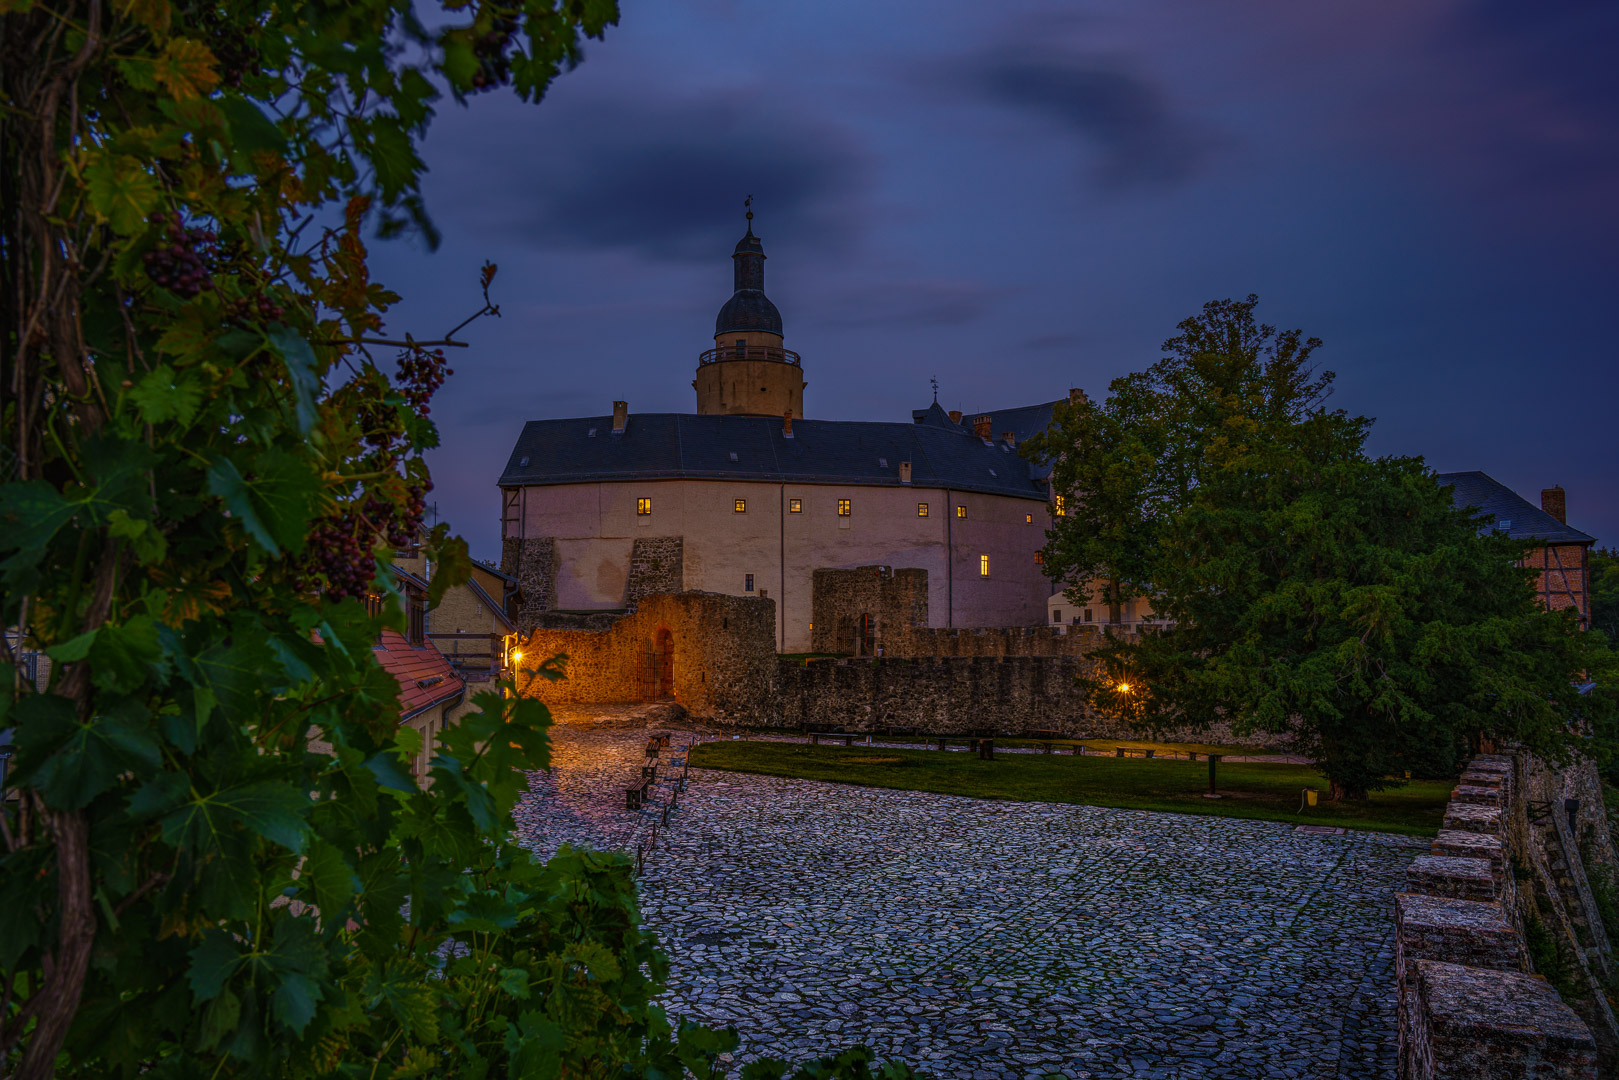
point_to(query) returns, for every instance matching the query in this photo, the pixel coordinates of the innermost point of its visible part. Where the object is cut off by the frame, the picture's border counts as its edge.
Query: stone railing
(1469, 1008)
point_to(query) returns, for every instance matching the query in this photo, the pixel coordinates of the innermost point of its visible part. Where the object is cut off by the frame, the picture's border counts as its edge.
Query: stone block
(1500, 763)
(1479, 1024)
(1444, 875)
(1471, 845)
(1469, 932)
(1469, 817)
(1475, 778)
(1477, 796)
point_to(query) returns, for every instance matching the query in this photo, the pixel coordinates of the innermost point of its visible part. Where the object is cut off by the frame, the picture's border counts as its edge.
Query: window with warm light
(795, 506)
(983, 566)
(643, 507)
(961, 511)
(843, 508)
(742, 506)
(1039, 558)
(921, 509)
(1057, 505)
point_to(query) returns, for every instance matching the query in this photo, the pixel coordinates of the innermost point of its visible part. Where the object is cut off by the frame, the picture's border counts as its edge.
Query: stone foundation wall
(719, 661)
(533, 562)
(1468, 1008)
(657, 565)
(1079, 640)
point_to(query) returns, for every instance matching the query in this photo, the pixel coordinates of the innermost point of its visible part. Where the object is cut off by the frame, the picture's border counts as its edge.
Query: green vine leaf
(121, 191)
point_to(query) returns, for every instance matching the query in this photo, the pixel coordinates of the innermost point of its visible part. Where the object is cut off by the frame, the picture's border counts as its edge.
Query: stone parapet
(1467, 817)
(1494, 1025)
(1467, 1008)
(1458, 843)
(1457, 878)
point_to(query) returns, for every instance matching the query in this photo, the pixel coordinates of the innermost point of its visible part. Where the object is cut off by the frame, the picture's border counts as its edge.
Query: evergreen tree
(1309, 589)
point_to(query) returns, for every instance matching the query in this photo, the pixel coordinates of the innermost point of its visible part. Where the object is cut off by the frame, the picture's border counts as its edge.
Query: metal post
(1214, 759)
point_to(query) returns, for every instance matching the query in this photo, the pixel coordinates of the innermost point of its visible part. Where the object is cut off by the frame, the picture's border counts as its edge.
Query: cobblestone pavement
(983, 940)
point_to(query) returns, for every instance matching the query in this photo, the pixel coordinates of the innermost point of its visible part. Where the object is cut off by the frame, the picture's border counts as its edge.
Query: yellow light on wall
(516, 656)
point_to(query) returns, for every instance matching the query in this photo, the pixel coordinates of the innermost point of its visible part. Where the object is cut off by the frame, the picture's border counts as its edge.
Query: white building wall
(595, 526)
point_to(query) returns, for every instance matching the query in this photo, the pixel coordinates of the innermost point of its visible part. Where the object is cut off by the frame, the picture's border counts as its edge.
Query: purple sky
(1022, 197)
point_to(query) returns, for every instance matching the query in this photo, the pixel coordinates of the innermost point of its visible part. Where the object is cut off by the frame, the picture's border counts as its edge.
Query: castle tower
(747, 372)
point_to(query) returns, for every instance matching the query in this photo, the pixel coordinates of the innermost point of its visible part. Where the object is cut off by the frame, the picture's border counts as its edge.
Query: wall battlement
(1508, 863)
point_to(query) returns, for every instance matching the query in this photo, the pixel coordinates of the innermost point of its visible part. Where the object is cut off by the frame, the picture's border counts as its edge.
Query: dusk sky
(1021, 197)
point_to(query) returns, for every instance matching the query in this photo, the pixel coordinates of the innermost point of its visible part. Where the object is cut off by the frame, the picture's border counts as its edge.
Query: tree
(1604, 585)
(1308, 588)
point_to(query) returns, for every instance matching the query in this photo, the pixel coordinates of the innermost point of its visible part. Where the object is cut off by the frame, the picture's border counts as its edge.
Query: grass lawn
(1264, 791)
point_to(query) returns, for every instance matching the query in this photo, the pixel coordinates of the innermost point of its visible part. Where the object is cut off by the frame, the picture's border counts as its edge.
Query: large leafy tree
(1308, 588)
(1604, 588)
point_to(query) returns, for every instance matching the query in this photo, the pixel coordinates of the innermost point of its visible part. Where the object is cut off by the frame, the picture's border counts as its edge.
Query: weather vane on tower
(935, 382)
(747, 204)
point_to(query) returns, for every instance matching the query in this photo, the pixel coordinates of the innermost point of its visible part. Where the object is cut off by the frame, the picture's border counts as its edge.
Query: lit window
(1039, 558)
(742, 506)
(983, 566)
(1057, 506)
(1028, 519)
(843, 508)
(795, 506)
(961, 511)
(643, 507)
(921, 509)
(747, 582)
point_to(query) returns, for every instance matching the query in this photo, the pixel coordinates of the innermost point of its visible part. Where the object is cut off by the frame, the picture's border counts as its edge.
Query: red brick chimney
(1555, 502)
(1075, 395)
(621, 416)
(787, 424)
(1009, 438)
(982, 426)
(905, 472)
(955, 416)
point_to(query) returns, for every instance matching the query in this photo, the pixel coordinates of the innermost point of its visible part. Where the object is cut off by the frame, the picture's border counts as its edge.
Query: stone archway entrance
(663, 664)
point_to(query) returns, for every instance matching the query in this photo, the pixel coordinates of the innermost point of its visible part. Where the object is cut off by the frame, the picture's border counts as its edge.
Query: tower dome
(748, 309)
(748, 372)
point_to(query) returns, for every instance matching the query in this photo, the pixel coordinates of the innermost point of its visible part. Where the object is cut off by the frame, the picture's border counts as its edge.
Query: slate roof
(424, 675)
(658, 446)
(1515, 515)
(1024, 422)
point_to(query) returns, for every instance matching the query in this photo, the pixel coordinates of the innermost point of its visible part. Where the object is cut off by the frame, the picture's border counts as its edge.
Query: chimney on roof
(983, 425)
(787, 424)
(955, 416)
(1555, 502)
(1009, 438)
(905, 472)
(1075, 395)
(621, 416)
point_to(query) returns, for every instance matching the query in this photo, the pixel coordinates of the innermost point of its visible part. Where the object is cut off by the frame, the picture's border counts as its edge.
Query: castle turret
(748, 372)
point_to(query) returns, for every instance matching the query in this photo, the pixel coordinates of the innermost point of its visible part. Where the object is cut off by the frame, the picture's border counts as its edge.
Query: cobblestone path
(985, 940)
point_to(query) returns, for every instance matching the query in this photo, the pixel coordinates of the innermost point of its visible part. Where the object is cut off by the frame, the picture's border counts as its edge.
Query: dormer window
(591, 434)
(523, 460)
(733, 455)
(882, 463)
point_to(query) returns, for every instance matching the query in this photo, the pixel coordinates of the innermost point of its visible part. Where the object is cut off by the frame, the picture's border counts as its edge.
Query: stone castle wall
(956, 695)
(657, 565)
(896, 601)
(533, 562)
(1506, 863)
(719, 658)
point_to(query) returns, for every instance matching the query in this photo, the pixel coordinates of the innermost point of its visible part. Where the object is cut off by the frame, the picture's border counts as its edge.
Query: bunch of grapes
(234, 54)
(340, 551)
(494, 68)
(421, 373)
(256, 309)
(179, 262)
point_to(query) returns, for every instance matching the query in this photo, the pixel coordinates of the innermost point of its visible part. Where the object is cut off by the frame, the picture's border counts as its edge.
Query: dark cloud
(1140, 139)
(909, 303)
(667, 179)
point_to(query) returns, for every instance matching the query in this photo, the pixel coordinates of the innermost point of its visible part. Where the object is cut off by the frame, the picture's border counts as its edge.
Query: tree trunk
(1343, 793)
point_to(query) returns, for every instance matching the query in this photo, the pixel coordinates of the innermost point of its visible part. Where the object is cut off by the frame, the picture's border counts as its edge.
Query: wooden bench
(848, 737)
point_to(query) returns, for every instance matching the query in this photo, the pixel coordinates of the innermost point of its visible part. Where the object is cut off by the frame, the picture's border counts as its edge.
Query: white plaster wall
(596, 524)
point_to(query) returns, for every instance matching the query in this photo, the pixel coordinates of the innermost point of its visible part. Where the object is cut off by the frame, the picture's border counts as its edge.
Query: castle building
(747, 497)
